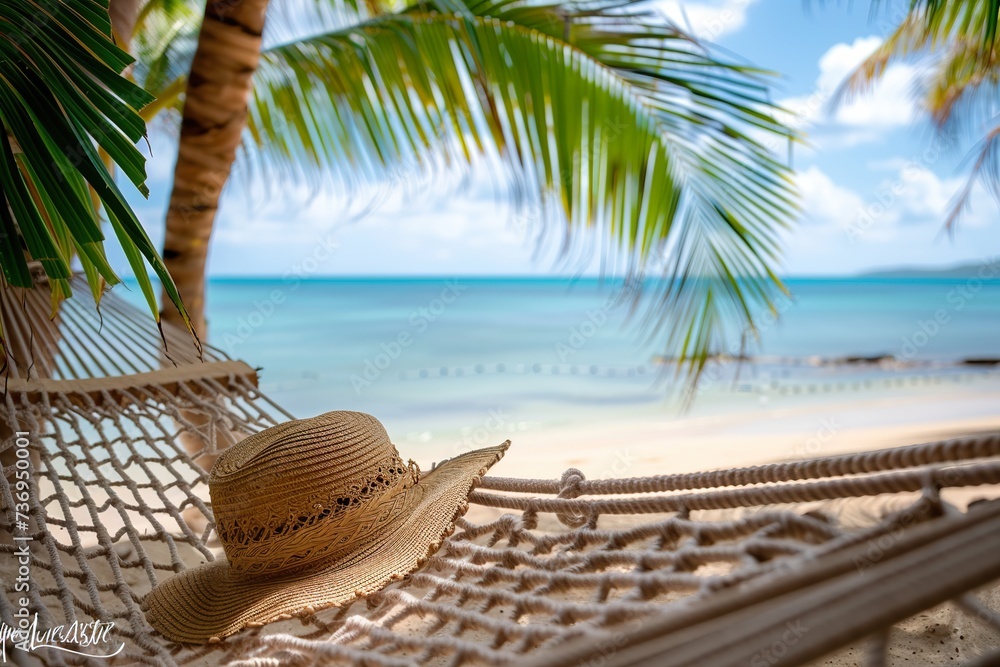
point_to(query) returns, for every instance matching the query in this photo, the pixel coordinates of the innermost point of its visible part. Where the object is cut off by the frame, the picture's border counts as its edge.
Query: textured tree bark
(213, 120)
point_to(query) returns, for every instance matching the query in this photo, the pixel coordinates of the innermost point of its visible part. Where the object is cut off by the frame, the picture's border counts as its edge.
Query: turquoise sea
(451, 358)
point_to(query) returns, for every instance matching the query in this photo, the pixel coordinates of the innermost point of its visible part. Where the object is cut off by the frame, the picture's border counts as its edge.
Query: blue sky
(875, 180)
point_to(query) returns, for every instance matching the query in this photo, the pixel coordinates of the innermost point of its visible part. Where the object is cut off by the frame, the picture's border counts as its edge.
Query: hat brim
(212, 601)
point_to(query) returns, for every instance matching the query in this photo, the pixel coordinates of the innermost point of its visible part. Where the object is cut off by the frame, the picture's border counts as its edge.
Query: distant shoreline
(986, 269)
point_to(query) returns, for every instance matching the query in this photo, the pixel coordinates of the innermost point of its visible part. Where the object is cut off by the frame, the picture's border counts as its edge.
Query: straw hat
(312, 513)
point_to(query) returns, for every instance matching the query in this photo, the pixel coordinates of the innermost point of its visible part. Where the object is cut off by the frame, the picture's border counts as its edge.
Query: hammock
(788, 561)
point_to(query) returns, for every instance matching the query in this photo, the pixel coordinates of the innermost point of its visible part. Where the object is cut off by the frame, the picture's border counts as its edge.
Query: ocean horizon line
(488, 278)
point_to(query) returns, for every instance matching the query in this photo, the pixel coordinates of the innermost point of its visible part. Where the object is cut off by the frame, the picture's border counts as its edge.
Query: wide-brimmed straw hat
(312, 513)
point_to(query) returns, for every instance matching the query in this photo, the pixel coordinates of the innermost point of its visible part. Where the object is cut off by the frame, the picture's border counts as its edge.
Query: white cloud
(707, 20)
(924, 194)
(914, 200)
(898, 221)
(841, 59)
(452, 226)
(929, 198)
(824, 202)
(866, 115)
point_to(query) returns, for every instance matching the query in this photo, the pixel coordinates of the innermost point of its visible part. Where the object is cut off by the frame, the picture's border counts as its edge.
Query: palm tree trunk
(214, 117)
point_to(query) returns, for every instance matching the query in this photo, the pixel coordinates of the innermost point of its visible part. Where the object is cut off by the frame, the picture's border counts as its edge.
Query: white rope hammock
(694, 569)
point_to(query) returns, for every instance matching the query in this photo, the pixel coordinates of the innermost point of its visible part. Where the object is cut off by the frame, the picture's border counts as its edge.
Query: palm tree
(608, 116)
(960, 94)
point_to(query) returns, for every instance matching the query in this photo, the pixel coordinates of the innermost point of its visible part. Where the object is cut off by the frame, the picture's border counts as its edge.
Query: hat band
(266, 510)
(318, 532)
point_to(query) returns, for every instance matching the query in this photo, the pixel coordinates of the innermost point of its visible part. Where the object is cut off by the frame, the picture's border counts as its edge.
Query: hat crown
(305, 491)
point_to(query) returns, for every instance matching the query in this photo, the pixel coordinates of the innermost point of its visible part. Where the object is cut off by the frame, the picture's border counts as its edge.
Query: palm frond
(61, 96)
(164, 45)
(975, 20)
(908, 40)
(619, 122)
(960, 40)
(962, 88)
(167, 35)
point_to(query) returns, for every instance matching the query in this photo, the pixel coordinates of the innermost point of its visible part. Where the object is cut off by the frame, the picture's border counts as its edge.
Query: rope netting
(115, 501)
(118, 504)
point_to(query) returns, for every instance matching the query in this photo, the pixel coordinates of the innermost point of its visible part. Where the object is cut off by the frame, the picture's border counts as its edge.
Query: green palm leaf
(961, 42)
(973, 20)
(61, 96)
(164, 43)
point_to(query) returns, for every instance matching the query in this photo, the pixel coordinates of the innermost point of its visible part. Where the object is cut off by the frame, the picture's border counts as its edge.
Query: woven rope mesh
(117, 504)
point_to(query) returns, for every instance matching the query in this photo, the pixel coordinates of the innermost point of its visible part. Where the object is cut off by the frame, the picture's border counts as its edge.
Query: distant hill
(960, 271)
